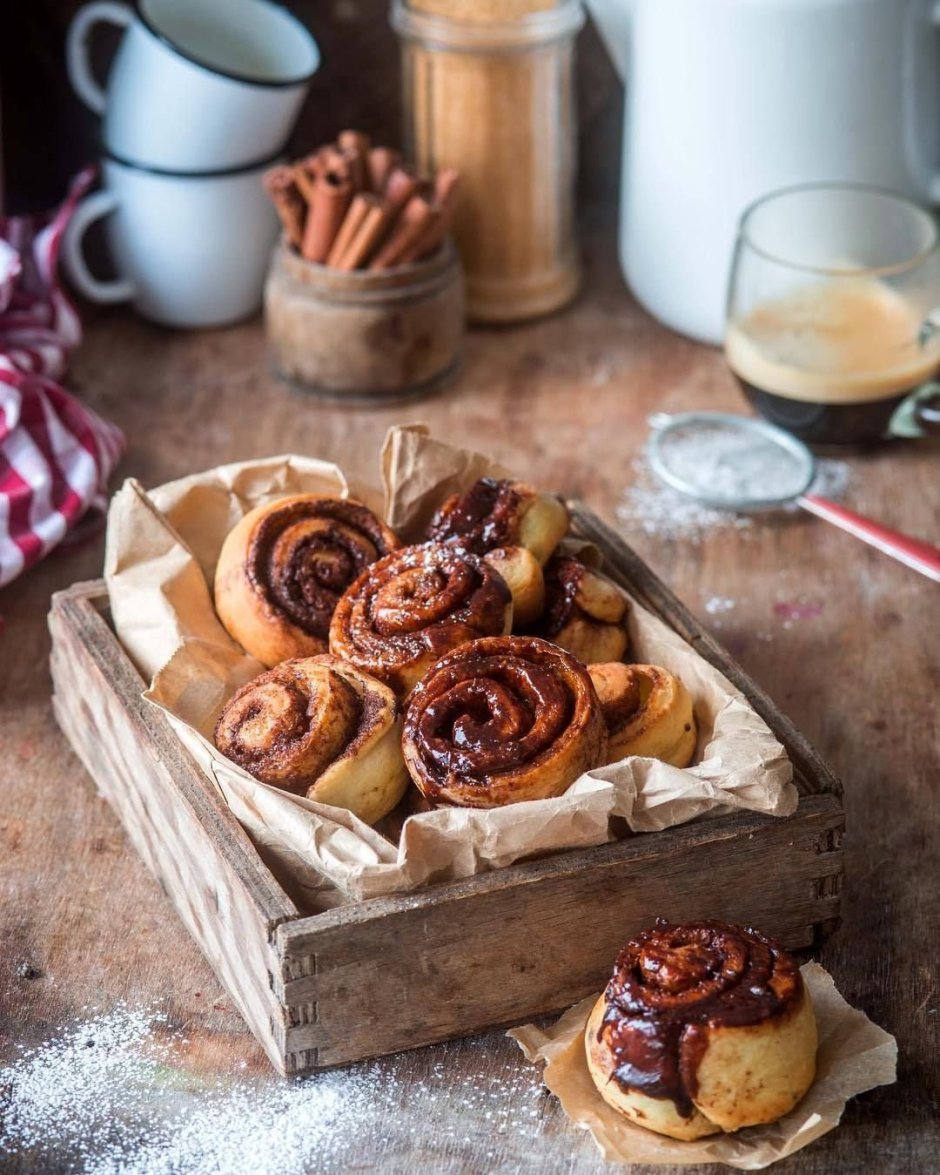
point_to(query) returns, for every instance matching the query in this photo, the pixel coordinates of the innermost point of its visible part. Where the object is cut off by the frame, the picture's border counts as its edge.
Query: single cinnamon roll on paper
(703, 1028)
(284, 566)
(501, 720)
(501, 513)
(648, 712)
(410, 608)
(320, 728)
(584, 612)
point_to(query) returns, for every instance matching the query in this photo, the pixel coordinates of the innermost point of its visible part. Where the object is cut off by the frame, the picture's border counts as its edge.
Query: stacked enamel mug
(199, 102)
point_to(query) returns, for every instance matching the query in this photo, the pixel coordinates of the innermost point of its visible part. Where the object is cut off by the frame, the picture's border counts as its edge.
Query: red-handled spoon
(921, 556)
(738, 463)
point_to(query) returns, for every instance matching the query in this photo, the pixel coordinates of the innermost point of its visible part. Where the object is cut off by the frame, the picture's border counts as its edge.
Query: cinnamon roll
(500, 720)
(648, 712)
(284, 566)
(584, 612)
(408, 609)
(704, 1027)
(320, 728)
(523, 576)
(501, 513)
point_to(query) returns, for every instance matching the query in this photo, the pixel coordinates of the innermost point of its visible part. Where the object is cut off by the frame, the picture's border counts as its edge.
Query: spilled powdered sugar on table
(660, 512)
(656, 511)
(107, 1096)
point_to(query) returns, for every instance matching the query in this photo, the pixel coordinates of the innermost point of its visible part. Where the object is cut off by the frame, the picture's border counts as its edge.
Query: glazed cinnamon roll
(584, 612)
(408, 609)
(648, 712)
(704, 1027)
(501, 720)
(319, 728)
(501, 513)
(284, 566)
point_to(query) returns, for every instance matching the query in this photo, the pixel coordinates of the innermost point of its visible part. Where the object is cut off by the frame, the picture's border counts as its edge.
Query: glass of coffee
(834, 313)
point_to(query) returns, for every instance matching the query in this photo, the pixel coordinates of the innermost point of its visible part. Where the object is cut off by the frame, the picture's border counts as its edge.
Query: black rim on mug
(217, 173)
(234, 75)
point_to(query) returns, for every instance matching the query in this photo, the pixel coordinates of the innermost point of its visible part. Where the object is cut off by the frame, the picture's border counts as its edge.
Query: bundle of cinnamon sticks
(354, 206)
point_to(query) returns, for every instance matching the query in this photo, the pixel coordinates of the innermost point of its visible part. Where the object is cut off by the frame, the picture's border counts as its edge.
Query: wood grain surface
(564, 403)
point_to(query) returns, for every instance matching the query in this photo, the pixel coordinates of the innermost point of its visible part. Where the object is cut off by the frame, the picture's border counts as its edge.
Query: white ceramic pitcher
(729, 99)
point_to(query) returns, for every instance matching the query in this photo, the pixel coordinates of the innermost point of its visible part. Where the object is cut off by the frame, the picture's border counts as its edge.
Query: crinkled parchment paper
(854, 1055)
(161, 556)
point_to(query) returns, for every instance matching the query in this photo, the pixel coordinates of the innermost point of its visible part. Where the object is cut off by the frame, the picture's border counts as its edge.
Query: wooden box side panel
(398, 973)
(221, 890)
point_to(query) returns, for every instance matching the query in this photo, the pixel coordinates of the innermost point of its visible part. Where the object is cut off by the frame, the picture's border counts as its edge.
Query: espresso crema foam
(848, 342)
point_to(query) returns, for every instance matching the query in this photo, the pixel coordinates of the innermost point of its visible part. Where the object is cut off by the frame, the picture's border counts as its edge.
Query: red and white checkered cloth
(55, 453)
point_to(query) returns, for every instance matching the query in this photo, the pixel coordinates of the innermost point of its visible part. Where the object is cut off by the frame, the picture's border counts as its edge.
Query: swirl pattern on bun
(283, 568)
(319, 728)
(501, 720)
(410, 608)
(648, 712)
(703, 1027)
(501, 513)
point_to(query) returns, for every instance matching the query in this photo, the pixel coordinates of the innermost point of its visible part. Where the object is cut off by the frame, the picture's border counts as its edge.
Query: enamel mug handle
(914, 553)
(77, 55)
(107, 292)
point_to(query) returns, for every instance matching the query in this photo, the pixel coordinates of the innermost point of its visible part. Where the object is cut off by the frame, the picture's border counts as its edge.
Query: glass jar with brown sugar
(489, 91)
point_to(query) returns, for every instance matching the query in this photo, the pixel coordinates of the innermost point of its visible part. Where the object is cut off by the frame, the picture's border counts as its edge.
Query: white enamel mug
(196, 85)
(189, 250)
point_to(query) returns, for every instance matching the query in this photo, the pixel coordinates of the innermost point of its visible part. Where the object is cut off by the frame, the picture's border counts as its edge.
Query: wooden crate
(397, 972)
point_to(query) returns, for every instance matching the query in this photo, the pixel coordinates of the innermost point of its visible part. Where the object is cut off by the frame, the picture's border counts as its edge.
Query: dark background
(48, 134)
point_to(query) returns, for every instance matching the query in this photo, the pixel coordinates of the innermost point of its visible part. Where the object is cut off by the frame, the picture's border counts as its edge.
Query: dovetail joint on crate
(302, 1061)
(830, 840)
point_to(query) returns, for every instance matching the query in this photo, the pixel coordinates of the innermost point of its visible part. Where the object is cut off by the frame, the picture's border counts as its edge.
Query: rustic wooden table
(845, 640)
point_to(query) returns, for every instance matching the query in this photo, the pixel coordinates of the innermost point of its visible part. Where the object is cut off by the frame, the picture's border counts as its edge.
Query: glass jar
(491, 94)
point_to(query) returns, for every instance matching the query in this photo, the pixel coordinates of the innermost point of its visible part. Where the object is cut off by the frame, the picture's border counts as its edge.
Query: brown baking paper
(161, 556)
(854, 1055)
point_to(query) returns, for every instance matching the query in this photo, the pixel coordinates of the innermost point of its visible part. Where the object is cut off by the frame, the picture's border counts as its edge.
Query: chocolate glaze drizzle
(563, 576)
(488, 712)
(673, 984)
(493, 714)
(303, 557)
(485, 517)
(432, 596)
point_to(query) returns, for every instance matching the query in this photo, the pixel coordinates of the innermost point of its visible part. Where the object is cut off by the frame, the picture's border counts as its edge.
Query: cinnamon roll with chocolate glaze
(284, 566)
(501, 720)
(703, 1028)
(501, 513)
(320, 728)
(584, 612)
(648, 712)
(410, 608)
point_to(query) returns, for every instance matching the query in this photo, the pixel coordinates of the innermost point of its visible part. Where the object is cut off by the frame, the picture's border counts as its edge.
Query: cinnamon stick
(355, 148)
(281, 186)
(332, 195)
(399, 189)
(348, 229)
(381, 162)
(415, 220)
(369, 234)
(305, 172)
(445, 193)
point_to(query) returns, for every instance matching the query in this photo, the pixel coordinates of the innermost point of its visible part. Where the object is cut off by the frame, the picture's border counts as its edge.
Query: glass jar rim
(436, 31)
(745, 233)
